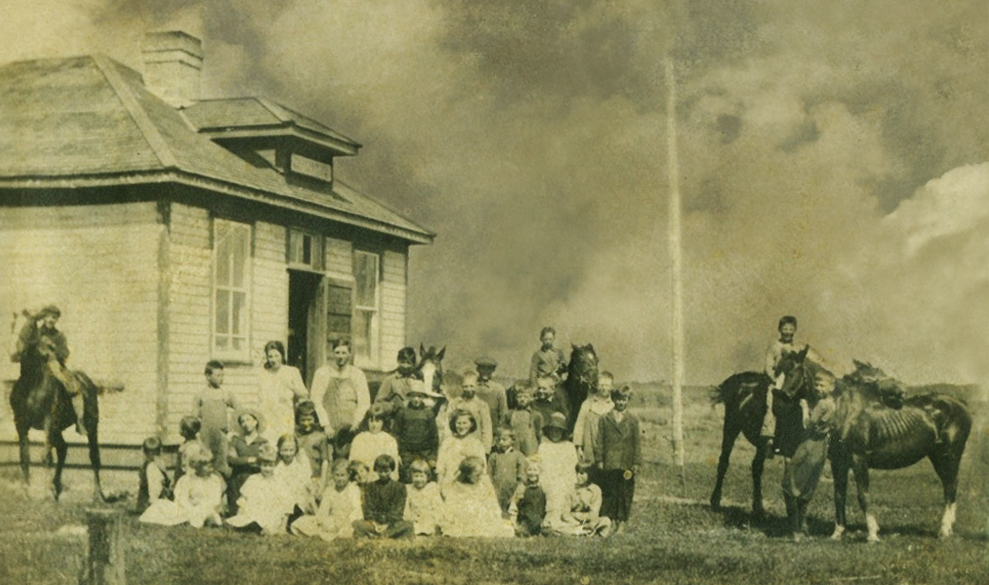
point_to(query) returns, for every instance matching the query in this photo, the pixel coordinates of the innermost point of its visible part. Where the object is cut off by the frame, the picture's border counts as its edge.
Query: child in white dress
(423, 505)
(559, 461)
(198, 495)
(264, 503)
(373, 442)
(471, 506)
(339, 506)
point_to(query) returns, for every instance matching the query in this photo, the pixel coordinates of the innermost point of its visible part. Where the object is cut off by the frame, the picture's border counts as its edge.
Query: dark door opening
(304, 297)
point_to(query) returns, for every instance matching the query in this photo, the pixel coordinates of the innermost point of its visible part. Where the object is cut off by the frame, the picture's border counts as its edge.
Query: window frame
(229, 354)
(317, 250)
(373, 359)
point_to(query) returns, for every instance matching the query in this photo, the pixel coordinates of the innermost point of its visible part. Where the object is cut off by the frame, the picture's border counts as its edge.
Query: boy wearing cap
(40, 331)
(491, 392)
(414, 426)
(395, 387)
(618, 457)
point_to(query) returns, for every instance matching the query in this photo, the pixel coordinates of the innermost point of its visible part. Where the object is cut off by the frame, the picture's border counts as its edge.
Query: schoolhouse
(172, 230)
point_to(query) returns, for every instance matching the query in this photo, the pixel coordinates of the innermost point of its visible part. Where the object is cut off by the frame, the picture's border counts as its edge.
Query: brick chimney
(172, 61)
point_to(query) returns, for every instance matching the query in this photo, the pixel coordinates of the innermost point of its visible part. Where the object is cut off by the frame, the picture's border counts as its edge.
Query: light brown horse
(878, 427)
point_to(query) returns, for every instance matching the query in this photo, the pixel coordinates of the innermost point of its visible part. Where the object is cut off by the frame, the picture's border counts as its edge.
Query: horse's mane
(873, 384)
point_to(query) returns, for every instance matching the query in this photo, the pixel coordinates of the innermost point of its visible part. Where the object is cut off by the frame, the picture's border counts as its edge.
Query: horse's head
(584, 364)
(430, 367)
(798, 377)
(877, 384)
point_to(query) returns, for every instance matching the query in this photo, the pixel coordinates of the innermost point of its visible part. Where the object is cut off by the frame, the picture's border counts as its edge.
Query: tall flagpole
(676, 262)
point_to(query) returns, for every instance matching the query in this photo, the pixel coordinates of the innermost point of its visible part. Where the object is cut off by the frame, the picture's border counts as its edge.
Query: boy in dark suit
(618, 456)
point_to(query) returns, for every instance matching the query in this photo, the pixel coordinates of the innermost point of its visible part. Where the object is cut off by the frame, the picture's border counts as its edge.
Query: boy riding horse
(40, 332)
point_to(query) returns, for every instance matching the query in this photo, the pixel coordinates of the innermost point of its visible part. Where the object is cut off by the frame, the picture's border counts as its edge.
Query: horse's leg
(946, 466)
(729, 434)
(25, 453)
(861, 468)
(839, 472)
(61, 450)
(94, 460)
(758, 463)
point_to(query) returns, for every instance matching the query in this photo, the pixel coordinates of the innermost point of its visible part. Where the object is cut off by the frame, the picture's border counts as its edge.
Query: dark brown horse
(582, 378)
(744, 397)
(878, 427)
(39, 401)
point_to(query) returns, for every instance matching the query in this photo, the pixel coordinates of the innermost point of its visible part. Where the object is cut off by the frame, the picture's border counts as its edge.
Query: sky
(834, 163)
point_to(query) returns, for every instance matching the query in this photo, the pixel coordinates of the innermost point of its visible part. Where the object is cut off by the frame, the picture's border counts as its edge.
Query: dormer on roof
(266, 133)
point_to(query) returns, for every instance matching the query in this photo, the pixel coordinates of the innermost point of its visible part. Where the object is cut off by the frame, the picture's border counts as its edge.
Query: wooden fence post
(104, 563)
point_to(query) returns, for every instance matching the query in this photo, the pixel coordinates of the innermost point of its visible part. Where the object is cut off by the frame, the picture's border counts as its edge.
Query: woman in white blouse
(280, 387)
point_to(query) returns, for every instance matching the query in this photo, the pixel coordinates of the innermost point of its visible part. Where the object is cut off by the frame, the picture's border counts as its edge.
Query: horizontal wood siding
(190, 256)
(190, 297)
(393, 297)
(99, 264)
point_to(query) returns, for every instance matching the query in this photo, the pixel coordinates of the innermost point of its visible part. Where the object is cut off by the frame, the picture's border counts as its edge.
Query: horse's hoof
(944, 535)
(839, 531)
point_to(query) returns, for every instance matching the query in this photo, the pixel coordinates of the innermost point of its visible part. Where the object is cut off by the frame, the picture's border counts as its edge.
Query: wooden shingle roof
(87, 121)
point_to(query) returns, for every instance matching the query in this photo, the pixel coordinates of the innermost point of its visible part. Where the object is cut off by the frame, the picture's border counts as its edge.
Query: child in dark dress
(528, 506)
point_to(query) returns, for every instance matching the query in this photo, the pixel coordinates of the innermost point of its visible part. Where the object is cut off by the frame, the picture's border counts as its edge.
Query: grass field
(672, 538)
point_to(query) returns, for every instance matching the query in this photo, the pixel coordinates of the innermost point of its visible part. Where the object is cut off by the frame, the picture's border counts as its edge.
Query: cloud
(832, 163)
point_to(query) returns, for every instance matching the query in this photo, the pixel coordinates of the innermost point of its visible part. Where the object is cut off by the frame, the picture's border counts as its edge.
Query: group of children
(424, 464)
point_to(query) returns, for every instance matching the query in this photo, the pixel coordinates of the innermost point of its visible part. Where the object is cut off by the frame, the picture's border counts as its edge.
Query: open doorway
(304, 323)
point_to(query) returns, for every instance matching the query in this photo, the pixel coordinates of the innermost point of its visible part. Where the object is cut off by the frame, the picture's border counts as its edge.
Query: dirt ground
(673, 536)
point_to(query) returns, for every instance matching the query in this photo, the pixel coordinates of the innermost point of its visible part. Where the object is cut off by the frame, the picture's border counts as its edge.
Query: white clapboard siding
(99, 264)
(189, 310)
(393, 310)
(190, 268)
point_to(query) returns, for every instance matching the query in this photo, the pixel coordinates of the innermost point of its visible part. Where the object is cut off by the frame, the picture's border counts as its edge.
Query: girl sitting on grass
(264, 503)
(471, 506)
(198, 494)
(339, 506)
